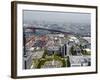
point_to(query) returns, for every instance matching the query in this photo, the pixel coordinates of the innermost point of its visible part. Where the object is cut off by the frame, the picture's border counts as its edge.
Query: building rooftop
(79, 59)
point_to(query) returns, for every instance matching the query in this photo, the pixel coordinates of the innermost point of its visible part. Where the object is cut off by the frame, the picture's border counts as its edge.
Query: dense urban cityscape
(56, 45)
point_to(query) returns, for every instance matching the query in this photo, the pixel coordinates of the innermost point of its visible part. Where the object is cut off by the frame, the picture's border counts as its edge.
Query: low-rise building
(77, 61)
(53, 49)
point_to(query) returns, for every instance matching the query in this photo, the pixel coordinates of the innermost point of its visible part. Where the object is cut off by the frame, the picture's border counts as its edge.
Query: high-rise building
(63, 50)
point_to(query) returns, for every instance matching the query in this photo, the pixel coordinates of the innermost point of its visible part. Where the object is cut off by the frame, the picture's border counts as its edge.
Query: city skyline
(56, 17)
(56, 39)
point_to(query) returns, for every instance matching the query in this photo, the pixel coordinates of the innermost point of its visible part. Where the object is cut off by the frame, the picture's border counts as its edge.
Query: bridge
(52, 30)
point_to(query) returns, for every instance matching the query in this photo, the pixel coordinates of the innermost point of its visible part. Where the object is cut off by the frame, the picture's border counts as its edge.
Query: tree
(45, 53)
(81, 47)
(68, 62)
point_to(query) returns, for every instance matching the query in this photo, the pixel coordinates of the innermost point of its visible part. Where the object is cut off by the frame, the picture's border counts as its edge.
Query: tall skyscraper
(63, 50)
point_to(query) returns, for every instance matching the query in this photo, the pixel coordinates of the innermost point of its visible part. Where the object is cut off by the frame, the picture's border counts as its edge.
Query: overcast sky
(30, 16)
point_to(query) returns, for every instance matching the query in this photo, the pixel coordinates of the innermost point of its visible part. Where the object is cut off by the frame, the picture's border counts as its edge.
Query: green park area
(48, 60)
